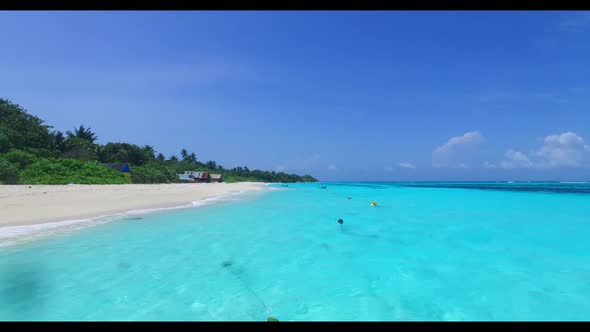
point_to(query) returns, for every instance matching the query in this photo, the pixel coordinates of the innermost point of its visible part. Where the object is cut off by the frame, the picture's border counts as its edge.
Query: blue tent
(124, 168)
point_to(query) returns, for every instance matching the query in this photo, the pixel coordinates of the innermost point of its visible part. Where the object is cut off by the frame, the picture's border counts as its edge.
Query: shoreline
(24, 206)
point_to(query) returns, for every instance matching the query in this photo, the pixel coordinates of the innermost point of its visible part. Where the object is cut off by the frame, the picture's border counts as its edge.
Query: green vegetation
(32, 153)
(65, 171)
(153, 172)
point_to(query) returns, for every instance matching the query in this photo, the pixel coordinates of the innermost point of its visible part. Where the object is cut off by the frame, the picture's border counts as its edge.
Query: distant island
(32, 153)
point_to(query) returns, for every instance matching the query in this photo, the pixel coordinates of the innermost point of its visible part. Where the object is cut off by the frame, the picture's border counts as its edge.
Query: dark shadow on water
(21, 290)
(124, 266)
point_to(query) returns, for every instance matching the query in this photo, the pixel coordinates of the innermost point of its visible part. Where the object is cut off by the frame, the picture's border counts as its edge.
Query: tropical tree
(80, 148)
(126, 153)
(149, 152)
(58, 141)
(184, 154)
(83, 133)
(192, 158)
(211, 164)
(19, 129)
(31, 153)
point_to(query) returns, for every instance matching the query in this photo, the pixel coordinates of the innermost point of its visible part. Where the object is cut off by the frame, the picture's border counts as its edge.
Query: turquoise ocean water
(427, 251)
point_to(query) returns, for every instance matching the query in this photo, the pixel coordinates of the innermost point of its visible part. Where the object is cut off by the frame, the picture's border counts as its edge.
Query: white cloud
(563, 150)
(406, 165)
(472, 136)
(515, 159)
(332, 167)
(487, 164)
(401, 165)
(447, 154)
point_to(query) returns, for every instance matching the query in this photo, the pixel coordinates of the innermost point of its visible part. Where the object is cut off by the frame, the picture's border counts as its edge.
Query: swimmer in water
(341, 222)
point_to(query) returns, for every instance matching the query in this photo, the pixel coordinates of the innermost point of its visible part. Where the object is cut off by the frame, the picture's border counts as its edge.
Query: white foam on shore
(11, 235)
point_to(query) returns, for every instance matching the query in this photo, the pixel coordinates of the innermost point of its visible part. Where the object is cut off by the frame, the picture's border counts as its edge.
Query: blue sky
(340, 95)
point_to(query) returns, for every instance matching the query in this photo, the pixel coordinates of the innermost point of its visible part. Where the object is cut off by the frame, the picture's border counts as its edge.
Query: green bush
(20, 159)
(8, 173)
(153, 173)
(65, 171)
(44, 153)
(5, 143)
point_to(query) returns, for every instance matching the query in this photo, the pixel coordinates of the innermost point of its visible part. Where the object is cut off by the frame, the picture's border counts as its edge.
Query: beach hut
(186, 178)
(204, 177)
(123, 168)
(216, 177)
(198, 176)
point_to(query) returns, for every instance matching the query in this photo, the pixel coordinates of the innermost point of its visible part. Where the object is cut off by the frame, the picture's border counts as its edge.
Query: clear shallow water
(426, 252)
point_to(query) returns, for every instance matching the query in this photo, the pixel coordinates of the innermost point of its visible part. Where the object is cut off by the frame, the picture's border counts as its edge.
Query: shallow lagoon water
(425, 252)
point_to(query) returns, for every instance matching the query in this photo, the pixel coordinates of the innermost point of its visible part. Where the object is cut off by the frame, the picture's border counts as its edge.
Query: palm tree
(184, 154)
(101, 153)
(161, 157)
(192, 158)
(173, 158)
(149, 151)
(211, 165)
(58, 141)
(83, 133)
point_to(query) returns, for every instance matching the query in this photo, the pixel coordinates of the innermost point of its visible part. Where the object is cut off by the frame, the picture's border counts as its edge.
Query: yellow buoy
(373, 203)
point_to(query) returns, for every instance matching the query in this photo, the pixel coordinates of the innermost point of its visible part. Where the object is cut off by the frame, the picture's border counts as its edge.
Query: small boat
(323, 187)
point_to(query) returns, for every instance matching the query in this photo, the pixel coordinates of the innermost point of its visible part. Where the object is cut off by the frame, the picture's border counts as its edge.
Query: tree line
(32, 152)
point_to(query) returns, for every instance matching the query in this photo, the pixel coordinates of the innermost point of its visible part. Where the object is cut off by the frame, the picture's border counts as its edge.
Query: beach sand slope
(36, 204)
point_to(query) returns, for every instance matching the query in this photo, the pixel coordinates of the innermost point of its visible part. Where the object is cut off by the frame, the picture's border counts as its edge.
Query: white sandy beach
(36, 204)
